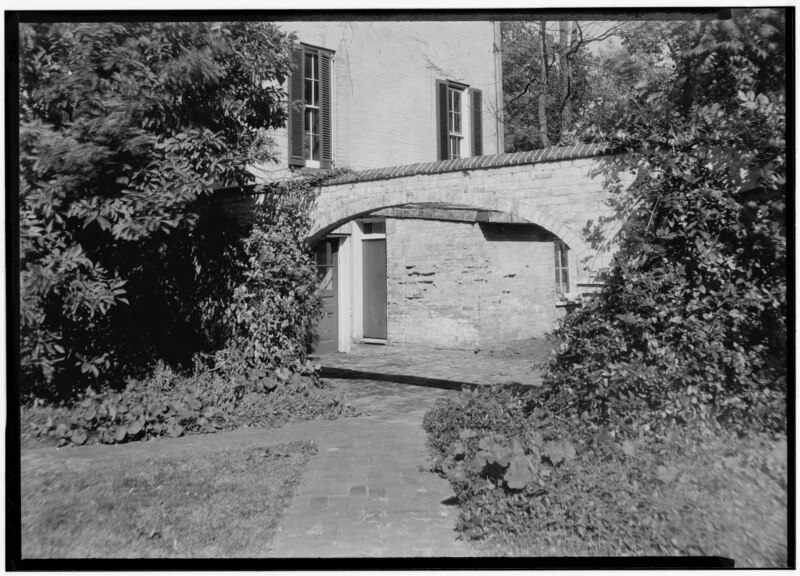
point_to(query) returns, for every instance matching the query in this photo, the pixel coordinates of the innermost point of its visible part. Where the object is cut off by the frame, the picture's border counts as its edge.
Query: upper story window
(454, 112)
(460, 120)
(311, 140)
(310, 111)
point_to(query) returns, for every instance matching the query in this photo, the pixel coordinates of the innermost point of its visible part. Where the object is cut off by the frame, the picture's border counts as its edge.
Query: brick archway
(555, 188)
(543, 218)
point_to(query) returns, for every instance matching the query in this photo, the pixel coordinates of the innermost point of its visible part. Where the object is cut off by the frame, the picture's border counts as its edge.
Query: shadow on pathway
(349, 374)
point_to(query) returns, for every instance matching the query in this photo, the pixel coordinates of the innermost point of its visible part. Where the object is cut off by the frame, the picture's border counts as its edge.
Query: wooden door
(374, 270)
(326, 330)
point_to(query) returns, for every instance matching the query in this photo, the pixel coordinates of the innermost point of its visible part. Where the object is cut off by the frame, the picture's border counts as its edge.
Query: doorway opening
(325, 333)
(373, 267)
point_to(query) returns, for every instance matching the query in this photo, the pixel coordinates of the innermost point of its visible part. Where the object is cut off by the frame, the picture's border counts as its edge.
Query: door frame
(344, 264)
(330, 310)
(357, 259)
(343, 276)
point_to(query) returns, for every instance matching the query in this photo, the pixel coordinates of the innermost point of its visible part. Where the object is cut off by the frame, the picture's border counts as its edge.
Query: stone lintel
(449, 214)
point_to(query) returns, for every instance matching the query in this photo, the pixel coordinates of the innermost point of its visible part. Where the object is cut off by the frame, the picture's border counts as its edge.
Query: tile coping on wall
(549, 154)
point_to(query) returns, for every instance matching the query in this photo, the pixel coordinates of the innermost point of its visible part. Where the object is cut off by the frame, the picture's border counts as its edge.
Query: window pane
(325, 274)
(311, 89)
(310, 120)
(379, 228)
(320, 253)
(312, 134)
(309, 64)
(457, 123)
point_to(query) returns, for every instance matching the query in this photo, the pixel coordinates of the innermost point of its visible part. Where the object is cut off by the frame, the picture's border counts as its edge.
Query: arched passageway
(456, 253)
(440, 275)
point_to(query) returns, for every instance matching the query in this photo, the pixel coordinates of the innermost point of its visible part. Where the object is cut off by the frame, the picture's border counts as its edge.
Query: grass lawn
(221, 504)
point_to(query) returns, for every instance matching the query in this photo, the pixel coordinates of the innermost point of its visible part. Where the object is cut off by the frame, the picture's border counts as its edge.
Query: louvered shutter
(476, 105)
(296, 111)
(441, 115)
(325, 110)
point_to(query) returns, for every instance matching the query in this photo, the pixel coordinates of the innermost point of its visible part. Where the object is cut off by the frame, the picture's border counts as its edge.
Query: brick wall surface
(563, 196)
(468, 285)
(384, 87)
(472, 284)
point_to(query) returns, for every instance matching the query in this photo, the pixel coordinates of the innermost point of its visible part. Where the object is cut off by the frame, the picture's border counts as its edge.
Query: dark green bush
(496, 408)
(543, 480)
(125, 129)
(692, 320)
(171, 405)
(258, 376)
(271, 312)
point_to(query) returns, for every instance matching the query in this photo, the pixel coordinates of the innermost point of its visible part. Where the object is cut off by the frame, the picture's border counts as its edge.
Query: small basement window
(374, 227)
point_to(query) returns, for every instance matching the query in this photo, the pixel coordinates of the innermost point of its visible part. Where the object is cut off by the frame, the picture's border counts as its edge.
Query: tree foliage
(692, 320)
(548, 81)
(272, 311)
(125, 129)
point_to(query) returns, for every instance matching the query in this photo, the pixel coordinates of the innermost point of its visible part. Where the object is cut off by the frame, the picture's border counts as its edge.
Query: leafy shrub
(124, 131)
(559, 483)
(272, 310)
(170, 405)
(486, 444)
(692, 320)
(499, 409)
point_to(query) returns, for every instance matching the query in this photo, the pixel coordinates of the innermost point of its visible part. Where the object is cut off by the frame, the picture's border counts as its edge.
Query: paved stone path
(368, 491)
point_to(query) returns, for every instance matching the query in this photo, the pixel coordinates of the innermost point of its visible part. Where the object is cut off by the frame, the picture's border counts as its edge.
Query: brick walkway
(368, 491)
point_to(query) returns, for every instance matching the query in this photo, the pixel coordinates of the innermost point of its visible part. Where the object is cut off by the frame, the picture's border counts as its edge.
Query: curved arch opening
(445, 275)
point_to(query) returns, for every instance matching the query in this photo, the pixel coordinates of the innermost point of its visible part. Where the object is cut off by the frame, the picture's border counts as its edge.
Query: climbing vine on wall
(274, 308)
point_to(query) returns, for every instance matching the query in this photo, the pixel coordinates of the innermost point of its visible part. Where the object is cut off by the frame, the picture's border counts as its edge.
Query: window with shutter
(460, 122)
(476, 107)
(311, 115)
(441, 105)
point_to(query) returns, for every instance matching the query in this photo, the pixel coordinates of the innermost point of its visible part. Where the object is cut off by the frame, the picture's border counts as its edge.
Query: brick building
(443, 271)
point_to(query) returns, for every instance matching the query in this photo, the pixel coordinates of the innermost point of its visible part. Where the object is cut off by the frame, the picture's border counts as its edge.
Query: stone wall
(468, 285)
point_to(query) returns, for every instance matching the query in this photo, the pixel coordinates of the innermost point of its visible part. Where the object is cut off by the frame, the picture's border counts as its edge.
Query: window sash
(310, 123)
(562, 267)
(454, 113)
(312, 113)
